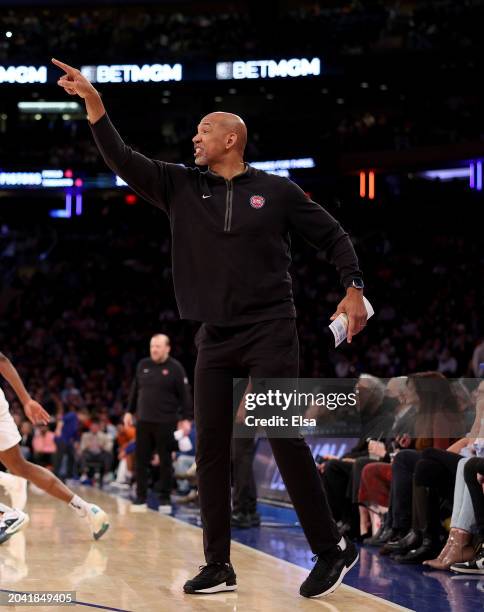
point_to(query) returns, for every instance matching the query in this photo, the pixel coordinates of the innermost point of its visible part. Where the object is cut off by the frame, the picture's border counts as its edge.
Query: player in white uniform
(21, 470)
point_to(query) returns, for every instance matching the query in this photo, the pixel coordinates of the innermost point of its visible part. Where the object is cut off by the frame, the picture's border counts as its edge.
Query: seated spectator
(43, 445)
(458, 548)
(95, 448)
(380, 452)
(474, 478)
(185, 458)
(26, 444)
(424, 476)
(337, 474)
(126, 441)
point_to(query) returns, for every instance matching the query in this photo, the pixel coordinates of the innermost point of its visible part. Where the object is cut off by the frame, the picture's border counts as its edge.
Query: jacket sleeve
(184, 393)
(153, 180)
(133, 394)
(322, 231)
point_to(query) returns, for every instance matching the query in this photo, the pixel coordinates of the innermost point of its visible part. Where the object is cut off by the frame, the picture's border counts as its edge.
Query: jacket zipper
(228, 205)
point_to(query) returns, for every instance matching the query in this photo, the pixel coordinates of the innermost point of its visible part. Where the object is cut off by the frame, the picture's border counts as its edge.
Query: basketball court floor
(142, 563)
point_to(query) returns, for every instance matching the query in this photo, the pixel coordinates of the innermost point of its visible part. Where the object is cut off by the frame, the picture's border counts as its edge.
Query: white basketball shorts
(9, 433)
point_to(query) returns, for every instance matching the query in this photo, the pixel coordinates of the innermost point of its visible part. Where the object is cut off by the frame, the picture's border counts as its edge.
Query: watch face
(357, 283)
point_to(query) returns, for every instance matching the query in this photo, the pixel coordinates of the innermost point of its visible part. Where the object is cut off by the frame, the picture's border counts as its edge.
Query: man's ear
(231, 140)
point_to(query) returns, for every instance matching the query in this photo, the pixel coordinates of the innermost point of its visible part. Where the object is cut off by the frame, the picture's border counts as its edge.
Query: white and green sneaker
(11, 522)
(98, 521)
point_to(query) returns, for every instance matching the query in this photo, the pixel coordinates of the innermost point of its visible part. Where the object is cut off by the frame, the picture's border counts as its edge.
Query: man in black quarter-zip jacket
(231, 254)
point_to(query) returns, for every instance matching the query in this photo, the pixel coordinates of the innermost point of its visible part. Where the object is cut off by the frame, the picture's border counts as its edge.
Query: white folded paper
(339, 326)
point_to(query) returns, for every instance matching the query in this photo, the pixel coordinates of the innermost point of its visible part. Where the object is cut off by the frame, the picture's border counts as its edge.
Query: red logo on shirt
(257, 201)
(165, 372)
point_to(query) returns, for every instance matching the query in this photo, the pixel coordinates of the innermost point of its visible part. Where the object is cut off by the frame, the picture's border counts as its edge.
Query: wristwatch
(357, 283)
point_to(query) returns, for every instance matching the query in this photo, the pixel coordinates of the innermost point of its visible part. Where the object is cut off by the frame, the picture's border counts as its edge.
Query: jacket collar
(249, 171)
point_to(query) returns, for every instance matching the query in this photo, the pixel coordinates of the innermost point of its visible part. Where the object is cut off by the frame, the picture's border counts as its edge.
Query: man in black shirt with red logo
(160, 397)
(231, 229)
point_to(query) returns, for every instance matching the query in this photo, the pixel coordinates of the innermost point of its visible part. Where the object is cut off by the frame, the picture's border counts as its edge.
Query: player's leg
(143, 453)
(13, 459)
(274, 353)
(16, 487)
(213, 421)
(165, 443)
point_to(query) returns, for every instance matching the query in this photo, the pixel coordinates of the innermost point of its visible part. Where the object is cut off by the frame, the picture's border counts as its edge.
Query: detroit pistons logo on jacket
(257, 201)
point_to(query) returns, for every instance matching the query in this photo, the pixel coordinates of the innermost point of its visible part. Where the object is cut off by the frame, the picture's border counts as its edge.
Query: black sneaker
(240, 520)
(476, 566)
(329, 571)
(254, 518)
(213, 578)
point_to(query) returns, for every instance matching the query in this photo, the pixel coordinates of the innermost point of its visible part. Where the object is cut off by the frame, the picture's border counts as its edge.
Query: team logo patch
(257, 201)
(165, 372)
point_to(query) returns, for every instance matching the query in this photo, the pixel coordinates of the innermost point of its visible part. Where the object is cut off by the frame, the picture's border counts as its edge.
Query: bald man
(160, 397)
(230, 228)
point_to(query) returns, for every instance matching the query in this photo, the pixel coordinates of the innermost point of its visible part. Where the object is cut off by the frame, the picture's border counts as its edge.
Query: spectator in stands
(474, 478)
(26, 444)
(67, 434)
(478, 360)
(458, 548)
(337, 474)
(44, 446)
(380, 453)
(437, 426)
(95, 448)
(126, 442)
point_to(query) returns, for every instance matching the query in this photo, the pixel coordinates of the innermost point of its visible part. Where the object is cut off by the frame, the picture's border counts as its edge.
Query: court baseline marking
(76, 602)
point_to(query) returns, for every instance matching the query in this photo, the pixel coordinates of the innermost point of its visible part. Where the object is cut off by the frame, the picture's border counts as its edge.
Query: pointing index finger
(65, 67)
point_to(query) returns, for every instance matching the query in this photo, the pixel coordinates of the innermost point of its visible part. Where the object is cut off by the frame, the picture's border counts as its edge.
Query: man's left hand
(354, 308)
(35, 413)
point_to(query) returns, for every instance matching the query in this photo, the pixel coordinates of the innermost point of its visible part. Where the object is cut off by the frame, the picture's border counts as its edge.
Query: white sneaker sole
(220, 588)
(458, 570)
(339, 581)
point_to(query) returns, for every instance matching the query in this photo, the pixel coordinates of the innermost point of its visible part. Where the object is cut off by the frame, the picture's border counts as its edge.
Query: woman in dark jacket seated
(422, 477)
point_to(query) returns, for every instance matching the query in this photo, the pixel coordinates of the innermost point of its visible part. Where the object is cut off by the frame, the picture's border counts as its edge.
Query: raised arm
(75, 83)
(33, 410)
(151, 179)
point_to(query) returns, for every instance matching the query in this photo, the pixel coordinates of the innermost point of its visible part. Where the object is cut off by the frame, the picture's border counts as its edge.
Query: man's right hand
(73, 81)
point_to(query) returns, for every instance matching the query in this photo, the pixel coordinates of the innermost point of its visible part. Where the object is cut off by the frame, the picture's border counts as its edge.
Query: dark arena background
(375, 109)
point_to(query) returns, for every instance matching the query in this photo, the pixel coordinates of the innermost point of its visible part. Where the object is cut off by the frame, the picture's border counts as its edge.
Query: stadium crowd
(240, 29)
(374, 94)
